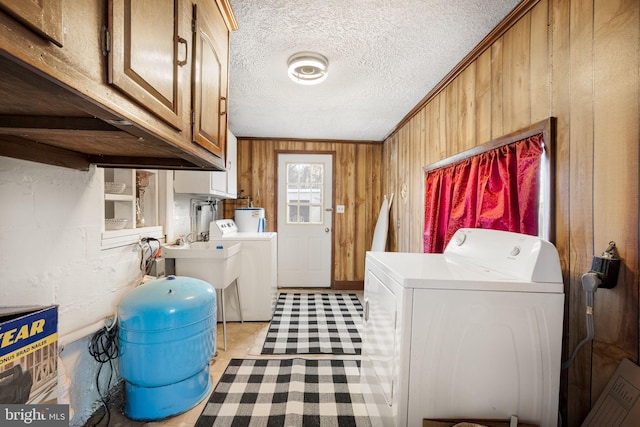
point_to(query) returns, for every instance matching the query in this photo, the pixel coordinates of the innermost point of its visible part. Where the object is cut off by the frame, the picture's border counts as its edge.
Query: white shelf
(118, 197)
(123, 206)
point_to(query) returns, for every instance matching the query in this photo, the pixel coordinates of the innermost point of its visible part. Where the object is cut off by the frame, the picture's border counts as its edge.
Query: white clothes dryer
(258, 281)
(474, 333)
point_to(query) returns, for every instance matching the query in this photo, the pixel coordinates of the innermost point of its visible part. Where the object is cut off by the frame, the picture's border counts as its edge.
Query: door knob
(326, 230)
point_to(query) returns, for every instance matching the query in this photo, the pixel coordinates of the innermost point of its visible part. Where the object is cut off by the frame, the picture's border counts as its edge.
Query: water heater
(250, 220)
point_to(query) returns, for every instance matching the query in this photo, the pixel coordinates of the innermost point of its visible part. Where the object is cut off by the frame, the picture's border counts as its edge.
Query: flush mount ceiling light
(308, 68)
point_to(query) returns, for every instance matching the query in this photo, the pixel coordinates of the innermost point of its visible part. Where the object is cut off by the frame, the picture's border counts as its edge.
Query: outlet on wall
(339, 208)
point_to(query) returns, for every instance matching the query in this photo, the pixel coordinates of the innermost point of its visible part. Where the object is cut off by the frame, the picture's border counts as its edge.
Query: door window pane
(305, 197)
(315, 214)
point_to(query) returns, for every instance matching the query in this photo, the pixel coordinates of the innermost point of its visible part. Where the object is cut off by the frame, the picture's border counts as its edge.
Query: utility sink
(200, 250)
(209, 261)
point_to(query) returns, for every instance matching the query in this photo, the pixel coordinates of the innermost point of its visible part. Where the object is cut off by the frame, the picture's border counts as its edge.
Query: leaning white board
(379, 243)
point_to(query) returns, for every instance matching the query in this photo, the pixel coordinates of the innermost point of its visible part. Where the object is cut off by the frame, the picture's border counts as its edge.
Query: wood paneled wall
(357, 186)
(577, 60)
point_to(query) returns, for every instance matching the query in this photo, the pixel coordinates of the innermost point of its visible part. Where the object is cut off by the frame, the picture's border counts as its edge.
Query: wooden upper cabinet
(119, 92)
(210, 77)
(42, 16)
(143, 59)
(147, 51)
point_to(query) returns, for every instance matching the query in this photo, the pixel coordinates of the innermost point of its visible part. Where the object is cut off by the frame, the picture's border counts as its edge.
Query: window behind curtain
(501, 186)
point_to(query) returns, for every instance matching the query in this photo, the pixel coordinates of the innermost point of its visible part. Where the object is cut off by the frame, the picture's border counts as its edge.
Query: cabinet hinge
(194, 25)
(106, 41)
(193, 117)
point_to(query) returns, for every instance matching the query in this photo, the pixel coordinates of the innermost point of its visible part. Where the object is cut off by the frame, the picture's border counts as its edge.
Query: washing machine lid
(478, 260)
(529, 258)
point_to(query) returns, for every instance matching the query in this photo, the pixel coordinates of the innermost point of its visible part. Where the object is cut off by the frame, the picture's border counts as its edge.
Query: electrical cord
(590, 283)
(103, 347)
(148, 253)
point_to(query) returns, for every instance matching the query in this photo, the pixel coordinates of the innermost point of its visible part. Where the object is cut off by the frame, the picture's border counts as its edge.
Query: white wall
(181, 220)
(50, 232)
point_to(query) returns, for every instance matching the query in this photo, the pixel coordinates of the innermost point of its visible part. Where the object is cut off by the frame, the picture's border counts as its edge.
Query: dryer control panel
(220, 227)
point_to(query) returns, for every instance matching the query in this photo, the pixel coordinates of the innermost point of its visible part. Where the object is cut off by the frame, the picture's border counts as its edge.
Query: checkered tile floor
(290, 392)
(315, 324)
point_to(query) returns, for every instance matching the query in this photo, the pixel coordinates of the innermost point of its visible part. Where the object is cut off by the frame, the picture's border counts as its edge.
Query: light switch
(339, 208)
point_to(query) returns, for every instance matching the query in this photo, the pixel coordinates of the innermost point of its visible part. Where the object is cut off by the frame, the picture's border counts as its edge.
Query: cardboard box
(450, 422)
(28, 355)
(619, 403)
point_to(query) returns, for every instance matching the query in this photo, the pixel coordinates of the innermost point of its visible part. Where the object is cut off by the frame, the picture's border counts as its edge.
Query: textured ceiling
(384, 57)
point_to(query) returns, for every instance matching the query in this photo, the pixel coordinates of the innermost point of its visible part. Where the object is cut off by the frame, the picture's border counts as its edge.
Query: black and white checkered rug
(315, 324)
(289, 392)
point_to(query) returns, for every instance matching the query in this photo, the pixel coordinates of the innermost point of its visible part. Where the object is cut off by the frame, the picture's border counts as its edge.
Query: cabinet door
(143, 61)
(194, 182)
(210, 69)
(43, 17)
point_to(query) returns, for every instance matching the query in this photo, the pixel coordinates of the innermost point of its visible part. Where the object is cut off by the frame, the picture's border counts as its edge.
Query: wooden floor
(244, 340)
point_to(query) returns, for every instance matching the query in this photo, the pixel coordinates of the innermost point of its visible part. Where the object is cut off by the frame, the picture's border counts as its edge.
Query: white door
(305, 203)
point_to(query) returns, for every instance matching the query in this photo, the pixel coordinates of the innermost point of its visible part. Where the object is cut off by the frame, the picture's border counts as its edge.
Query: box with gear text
(450, 422)
(28, 355)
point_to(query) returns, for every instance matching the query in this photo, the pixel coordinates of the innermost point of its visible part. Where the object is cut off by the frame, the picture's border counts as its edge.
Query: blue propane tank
(167, 336)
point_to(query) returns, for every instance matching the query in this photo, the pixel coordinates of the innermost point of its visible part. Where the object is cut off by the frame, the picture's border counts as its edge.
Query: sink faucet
(191, 237)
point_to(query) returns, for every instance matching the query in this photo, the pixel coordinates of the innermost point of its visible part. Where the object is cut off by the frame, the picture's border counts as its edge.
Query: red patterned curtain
(497, 189)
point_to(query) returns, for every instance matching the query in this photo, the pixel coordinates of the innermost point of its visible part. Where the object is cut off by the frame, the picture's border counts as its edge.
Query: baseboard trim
(352, 285)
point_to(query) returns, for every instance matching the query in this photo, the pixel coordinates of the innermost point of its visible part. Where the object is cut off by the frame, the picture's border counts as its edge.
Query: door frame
(333, 197)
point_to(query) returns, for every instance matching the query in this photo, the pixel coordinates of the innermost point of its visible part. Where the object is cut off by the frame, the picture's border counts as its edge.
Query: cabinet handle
(186, 51)
(223, 111)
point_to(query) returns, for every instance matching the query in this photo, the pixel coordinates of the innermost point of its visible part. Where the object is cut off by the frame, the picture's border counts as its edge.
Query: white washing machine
(475, 332)
(258, 281)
